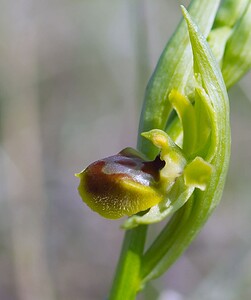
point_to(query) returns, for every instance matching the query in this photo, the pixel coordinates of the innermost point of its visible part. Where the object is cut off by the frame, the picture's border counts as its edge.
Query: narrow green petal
(186, 113)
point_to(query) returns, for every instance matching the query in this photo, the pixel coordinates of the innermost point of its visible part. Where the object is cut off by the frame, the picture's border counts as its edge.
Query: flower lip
(122, 184)
(106, 173)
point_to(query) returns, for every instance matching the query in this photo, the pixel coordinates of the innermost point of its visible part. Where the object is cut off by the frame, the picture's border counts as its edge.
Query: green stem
(163, 243)
(127, 281)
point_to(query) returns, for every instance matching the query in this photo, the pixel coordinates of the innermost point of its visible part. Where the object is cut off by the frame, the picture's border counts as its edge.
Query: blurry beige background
(72, 79)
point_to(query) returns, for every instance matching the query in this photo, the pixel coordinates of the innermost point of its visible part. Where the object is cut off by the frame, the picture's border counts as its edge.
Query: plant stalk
(127, 281)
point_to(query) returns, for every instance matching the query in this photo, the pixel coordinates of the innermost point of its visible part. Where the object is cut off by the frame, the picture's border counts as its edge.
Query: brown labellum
(120, 185)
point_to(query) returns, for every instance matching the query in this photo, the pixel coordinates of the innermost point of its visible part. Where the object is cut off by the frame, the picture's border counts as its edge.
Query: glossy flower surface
(121, 185)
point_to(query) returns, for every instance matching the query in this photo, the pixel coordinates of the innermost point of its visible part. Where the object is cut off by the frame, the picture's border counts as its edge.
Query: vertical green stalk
(127, 279)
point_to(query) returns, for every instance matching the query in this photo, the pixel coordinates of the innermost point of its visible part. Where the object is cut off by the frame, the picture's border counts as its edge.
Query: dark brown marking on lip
(103, 184)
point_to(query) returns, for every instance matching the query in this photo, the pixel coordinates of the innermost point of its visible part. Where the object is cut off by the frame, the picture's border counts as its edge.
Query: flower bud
(120, 185)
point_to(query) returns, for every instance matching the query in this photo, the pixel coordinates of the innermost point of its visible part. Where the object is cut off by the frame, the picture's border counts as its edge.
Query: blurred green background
(72, 79)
